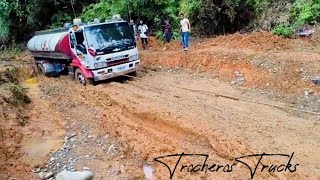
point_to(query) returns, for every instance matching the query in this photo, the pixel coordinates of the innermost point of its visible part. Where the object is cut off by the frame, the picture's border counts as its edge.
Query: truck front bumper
(114, 71)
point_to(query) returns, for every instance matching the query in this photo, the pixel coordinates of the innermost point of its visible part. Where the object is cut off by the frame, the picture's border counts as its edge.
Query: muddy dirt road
(164, 113)
(117, 128)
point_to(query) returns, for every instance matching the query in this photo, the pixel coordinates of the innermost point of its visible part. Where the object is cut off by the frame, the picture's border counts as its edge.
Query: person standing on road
(143, 32)
(185, 29)
(133, 27)
(167, 31)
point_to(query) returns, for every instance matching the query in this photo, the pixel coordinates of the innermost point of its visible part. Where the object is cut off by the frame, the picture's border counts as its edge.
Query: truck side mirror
(92, 51)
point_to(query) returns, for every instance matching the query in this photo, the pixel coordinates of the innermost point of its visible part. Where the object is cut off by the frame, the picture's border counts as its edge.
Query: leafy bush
(104, 9)
(176, 35)
(11, 74)
(19, 94)
(219, 17)
(59, 19)
(159, 35)
(189, 7)
(258, 5)
(11, 50)
(153, 12)
(208, 17)
(4, 15)
(305, 12)
(283, 30)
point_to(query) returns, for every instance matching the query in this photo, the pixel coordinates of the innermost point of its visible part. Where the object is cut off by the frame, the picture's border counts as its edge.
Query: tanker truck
(88, 52)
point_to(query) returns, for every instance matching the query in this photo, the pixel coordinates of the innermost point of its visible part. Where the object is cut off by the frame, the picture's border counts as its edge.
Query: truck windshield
(106, 38)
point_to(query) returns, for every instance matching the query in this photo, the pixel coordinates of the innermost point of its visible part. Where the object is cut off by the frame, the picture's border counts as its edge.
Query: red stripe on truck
(76, 63)
(63, 45)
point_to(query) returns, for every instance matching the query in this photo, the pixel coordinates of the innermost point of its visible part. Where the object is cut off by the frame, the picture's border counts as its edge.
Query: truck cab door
(78, 47)
(77, 42)
(73, 43)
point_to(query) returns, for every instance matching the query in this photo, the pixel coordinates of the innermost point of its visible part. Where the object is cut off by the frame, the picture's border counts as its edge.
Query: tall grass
(7, 52)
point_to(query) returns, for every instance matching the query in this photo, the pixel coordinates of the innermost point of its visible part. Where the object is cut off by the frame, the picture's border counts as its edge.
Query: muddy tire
(40, 69)
(81, 78)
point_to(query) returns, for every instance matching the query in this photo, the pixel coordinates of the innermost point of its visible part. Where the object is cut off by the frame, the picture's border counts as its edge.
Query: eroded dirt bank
(13, 117)
(118, 127)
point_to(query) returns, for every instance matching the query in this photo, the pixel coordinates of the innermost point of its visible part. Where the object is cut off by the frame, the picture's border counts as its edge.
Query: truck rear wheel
(81, 78)
(41, 69)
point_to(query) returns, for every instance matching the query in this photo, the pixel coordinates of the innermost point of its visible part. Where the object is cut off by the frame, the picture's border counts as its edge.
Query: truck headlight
(100, 65)
(134, 57)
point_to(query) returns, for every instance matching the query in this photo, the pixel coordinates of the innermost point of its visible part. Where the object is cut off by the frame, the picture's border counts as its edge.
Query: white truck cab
(88, 51)
(107, 49)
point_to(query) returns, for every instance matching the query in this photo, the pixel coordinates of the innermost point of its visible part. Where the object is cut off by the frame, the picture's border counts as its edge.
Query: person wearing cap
(79, 38)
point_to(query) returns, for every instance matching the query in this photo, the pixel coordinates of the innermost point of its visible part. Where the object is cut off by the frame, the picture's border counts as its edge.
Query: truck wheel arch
(81, 77)
(76, 65)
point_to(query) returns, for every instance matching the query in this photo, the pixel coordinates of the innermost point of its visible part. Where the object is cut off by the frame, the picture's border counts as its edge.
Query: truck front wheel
(81, 78)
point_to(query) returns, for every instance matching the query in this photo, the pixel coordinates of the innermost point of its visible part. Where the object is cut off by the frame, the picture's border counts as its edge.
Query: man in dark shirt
(167, 31)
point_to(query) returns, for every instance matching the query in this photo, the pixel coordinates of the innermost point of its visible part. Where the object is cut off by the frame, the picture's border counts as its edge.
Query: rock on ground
(68, 175)
(43, 175)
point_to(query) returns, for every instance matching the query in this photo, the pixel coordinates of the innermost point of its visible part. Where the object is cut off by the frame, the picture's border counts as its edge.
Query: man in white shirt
(185, 31)
(143, 30)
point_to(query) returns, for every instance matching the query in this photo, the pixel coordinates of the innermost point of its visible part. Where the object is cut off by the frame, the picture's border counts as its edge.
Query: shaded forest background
(20, 18)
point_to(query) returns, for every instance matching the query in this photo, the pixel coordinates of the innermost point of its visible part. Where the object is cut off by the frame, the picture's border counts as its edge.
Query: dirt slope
(13, 116)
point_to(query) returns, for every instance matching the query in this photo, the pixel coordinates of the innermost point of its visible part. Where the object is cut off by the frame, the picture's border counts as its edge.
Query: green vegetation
(283, 30)
(13, 49)
(107, 7)
(13, 95)
(19, 19)
(10, 51)
(19, 94)
(4, 30)
(11, 74)
(259, 5)
(303, 12)
(59, 19)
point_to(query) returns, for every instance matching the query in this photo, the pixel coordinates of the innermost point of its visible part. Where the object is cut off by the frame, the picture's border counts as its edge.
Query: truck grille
(121, 61)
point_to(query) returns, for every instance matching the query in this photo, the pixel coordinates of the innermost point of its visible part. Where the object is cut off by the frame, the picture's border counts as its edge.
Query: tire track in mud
(172, 138)
(148, 133)
(148, 122)
(160, 138)
(156, 126)
(153, 123)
